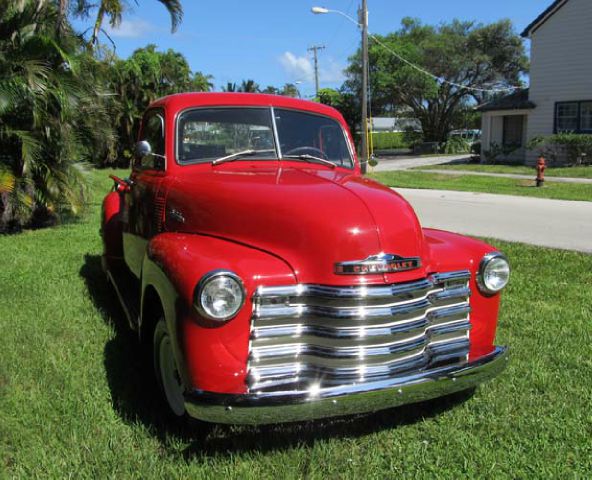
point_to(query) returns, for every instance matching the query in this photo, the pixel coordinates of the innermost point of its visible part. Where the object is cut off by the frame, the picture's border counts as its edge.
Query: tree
(348, 105)
(462, 53)
(113, 10)
(290, 90)
(202, 82)
(142, 78)
(53, 115)
(271, 90)
(249, 86)
(230, 87)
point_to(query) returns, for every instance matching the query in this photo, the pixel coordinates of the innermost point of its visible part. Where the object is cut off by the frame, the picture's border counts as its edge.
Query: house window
(586, 117)
(573, 117)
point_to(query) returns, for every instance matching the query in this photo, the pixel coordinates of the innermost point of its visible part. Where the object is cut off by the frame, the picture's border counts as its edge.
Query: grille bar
(314, 334)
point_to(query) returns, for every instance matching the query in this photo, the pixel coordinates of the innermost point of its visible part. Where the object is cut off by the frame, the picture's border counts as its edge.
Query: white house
(560, 95)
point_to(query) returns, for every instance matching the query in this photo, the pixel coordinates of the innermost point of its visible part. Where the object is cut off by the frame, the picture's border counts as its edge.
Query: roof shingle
(517, 100)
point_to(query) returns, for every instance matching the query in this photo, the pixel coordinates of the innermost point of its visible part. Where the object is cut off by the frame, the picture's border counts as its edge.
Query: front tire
(166, 371)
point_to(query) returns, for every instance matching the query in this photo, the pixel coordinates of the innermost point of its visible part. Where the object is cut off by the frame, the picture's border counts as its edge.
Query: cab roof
(182, 101)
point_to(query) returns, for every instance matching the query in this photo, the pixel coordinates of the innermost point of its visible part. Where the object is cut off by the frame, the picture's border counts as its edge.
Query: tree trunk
(62, 15)
(97, 28)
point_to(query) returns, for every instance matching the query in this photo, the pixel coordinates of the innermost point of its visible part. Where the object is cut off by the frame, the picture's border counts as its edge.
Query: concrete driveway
(549, 223)
(388, 164)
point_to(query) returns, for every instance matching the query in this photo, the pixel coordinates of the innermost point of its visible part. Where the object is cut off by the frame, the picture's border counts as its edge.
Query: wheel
(316, 152)
(166, 371)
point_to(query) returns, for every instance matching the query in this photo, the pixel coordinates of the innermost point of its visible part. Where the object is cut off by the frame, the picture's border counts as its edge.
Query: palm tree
(290, 90)
(202, 82)
(114, 9)
(271, 90)
(230, 87)
(249, 86)
(52, 114)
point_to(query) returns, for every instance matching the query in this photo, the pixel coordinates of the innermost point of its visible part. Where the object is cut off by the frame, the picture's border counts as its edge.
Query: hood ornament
(381, 263)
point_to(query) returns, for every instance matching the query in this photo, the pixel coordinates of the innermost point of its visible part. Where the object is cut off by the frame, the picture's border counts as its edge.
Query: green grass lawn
(74, 401)
(477, 183)
(570, 172)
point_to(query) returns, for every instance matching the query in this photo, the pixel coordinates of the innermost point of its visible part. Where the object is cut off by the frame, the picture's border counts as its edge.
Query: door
(144, 202)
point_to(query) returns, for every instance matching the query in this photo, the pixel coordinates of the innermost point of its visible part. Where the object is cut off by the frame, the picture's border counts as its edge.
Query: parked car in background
(274, 283)
(471, 136)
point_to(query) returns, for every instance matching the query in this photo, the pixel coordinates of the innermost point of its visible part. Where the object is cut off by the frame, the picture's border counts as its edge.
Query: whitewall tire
(166, 371)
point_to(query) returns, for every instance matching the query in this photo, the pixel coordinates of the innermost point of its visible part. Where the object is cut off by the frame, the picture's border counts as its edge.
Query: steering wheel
(316, 152)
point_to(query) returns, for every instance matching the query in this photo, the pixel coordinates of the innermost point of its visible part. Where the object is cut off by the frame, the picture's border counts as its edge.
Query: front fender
(211, 357)
(450, 251)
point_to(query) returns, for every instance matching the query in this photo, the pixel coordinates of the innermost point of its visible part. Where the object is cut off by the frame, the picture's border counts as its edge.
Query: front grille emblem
(381, 263)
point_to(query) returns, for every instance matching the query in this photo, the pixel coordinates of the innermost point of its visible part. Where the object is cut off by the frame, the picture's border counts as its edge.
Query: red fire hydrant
(541, 165)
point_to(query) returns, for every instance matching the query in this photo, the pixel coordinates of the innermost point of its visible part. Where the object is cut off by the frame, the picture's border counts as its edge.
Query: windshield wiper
(312, 159)
(238, 155)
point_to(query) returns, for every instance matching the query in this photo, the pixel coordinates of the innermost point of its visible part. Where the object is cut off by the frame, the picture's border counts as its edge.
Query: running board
(125, 285)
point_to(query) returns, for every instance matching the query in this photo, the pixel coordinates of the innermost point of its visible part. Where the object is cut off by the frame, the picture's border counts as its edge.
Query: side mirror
(142, 149)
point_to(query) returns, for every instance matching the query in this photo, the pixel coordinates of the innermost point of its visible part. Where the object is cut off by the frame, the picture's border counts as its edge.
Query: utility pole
(315, 49)
(363, 21)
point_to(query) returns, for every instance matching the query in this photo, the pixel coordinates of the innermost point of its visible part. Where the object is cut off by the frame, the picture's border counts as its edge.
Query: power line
(422, 70)
(440, 79)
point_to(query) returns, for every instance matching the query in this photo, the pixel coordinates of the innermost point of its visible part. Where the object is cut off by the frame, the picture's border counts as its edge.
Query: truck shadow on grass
(136, 399)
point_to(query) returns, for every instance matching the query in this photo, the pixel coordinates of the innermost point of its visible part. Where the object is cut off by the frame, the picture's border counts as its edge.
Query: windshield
(240, 133)
(211, 133)
(307, 134)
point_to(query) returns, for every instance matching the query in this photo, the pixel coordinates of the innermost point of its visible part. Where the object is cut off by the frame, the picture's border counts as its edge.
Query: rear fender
(210, 356)
(111, 225)
(450, 251)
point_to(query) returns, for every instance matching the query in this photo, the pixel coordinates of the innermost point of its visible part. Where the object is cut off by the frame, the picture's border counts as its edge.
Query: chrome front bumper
(279, 407)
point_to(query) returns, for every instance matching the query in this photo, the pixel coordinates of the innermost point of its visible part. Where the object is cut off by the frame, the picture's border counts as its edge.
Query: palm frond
(7, 181)
(175, 10)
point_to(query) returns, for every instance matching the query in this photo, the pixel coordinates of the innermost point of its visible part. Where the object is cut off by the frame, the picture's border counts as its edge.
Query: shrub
(576, 148)
(394, 140)
(457, 145)
(498, 153)
(52, 116)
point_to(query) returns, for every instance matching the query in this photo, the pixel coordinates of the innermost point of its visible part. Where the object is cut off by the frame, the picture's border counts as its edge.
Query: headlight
(494, 273)
(219, 295)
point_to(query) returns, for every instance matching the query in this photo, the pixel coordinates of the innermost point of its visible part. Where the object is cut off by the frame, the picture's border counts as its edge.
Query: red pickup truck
(275, 283)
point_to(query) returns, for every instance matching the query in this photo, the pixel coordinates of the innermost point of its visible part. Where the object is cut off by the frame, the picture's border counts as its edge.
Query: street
(550, 223)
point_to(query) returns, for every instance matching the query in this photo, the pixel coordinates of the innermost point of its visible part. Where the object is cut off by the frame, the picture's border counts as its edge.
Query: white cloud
(332, 72)
(298, 68)
(131, 29)
(301, 68)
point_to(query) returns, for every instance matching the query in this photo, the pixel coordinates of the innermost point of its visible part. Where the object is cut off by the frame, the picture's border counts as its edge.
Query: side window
(153, 133)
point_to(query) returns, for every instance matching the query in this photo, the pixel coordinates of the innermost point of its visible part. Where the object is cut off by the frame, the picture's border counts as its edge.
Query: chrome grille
(308, 336)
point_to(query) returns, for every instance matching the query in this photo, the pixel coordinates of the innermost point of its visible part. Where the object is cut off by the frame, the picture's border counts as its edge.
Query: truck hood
(311, 217)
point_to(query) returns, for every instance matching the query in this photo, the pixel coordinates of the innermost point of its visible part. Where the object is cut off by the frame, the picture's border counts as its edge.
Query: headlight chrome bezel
(486, 262)
(205, 281)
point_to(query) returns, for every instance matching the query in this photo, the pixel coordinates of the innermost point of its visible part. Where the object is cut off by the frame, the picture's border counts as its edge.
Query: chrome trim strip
(460, 276)
(276, 137)
(323, 291)
(290, 406)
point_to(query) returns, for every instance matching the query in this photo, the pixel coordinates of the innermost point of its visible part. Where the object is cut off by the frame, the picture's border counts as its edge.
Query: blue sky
(267, 40)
